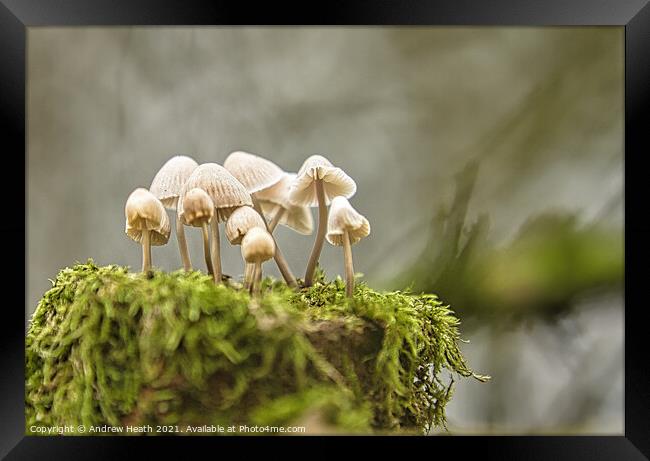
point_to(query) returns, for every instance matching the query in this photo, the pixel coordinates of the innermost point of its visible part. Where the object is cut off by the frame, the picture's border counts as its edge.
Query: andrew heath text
(167, 429)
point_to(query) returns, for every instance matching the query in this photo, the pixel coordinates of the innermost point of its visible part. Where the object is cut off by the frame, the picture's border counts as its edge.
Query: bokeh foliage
(540, 272)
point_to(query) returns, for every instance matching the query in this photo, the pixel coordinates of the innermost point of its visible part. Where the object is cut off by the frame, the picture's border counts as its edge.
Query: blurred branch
(610, 205)
(550, 262)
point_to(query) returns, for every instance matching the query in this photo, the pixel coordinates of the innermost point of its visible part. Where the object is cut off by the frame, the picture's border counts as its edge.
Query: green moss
(106, 346)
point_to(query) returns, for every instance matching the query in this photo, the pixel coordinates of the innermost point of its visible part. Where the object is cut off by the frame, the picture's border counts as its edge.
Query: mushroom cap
(226, 192)
(278, 193)
(295, 217)
(168, 183)
(198, 208)
(343, 217)
(254, 172)
(240, 222)
(143, 211)
(257, 245)
(335, 182)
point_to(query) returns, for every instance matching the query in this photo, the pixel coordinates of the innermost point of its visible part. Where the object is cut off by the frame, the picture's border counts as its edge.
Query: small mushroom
(315, 185)
(226, 193)
(198, 210)
(257, 246)
(239, 223)
(345, 227)
(258, 174)
(167, 186)
(275, 204)
(146, 222)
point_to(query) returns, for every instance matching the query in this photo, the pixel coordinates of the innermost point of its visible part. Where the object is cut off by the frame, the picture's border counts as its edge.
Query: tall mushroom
(258, 174)
(316, 183)
(345, 227)
(226, 193)
(257, 246)
(276, 205)
(198, 210)
(146, 222)
(241, 221)
(167, 186)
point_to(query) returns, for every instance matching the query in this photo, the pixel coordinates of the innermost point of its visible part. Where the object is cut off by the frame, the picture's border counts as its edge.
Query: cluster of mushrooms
(252, 195)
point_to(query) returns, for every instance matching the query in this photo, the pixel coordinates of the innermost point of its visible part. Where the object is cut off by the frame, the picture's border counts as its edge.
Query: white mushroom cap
(335, 182)
(254, 172)
(143, 211)
(257, 246)
(198, 208)
(295, 217)
(168, 183)
(226, 192)
(343, 217)
(240, 222)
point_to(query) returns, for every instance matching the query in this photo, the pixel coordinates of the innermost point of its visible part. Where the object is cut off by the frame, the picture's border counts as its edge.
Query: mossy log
(109, 347)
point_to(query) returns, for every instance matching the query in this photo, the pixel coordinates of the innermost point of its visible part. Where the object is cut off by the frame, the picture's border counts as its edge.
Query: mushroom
(241, 221)
(167, 186)
(258, 174)
(254, 172)
(226, 193)
(146, 222)
(198, 210)
(257, 246)
(275, 204)
(316, 183)
(345, 227)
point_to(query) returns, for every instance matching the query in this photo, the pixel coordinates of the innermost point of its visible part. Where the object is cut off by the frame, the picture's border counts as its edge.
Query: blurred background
(489, 162)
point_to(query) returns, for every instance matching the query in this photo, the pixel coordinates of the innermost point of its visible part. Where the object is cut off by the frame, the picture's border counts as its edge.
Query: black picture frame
(633, 15)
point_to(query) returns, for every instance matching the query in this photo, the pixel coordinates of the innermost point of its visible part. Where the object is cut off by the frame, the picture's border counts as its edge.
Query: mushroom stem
(255, 287)
(278, 212)
(283, 266)
(258, 276)
(206, 248)
(182, 244)
(320, 236)
(146, 250)
(216, 251)
(256, 206)
(280, 261)
(349, 269)
(248, 274)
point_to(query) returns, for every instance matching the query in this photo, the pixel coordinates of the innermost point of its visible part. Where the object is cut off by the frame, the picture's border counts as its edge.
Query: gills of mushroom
(316, 183)
(258, 175)
(279, 210)
(345, 227)
(198, 210)
(257, 246)
(167, 186)
(227, 194)
(240, 222)
(146, 222)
